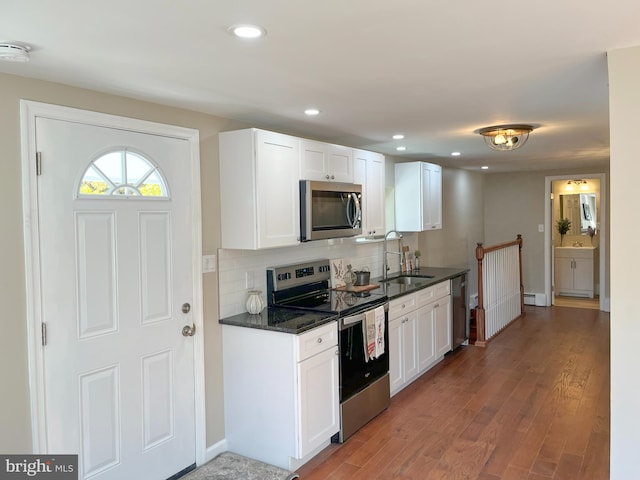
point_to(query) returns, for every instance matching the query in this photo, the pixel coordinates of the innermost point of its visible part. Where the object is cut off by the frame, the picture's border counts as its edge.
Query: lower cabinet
(403, 350)
(281, 393)
(442, 325)
(419, 333)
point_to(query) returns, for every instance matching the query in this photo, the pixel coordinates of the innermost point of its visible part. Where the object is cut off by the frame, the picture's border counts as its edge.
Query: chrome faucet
(385, 265)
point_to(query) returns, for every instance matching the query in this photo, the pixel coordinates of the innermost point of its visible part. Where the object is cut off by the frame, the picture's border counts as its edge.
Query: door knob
(189, 330)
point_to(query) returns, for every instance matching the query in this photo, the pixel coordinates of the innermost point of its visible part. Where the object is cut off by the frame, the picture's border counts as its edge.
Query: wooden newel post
(519, 240)
(481, 340)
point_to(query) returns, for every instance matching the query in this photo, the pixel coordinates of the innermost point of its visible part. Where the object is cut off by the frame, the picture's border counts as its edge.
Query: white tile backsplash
(233, 265)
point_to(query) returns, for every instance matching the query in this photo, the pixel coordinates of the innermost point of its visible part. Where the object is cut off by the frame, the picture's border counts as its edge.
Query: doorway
(575, 253)
(111, 238)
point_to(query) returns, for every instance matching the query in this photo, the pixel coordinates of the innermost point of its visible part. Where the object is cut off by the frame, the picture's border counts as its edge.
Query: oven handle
(346, 322)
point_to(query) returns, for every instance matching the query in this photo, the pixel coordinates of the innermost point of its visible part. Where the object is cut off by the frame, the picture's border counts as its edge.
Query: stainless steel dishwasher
(460, 323)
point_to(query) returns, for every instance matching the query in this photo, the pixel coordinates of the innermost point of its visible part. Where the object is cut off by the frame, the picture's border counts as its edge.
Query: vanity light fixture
(247, 31)
(11, 52)
(578, 182)
(505, 137)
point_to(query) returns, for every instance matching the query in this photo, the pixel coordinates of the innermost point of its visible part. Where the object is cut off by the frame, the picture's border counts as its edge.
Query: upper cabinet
(259, 193)
(369, 172)
(418, 196)
(326, 162)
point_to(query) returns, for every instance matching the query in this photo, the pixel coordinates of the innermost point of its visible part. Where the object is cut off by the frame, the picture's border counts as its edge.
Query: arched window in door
(122, 173)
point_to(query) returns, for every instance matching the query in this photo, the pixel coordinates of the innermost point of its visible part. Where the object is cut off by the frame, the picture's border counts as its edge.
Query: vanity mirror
(581, 210)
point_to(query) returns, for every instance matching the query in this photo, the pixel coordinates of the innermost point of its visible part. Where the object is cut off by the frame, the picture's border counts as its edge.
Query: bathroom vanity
(575, 271)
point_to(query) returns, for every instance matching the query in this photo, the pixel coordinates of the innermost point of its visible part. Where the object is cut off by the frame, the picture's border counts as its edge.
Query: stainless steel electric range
(364, 382)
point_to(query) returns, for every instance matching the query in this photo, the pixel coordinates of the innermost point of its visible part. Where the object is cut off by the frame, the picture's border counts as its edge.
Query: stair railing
(500, 288)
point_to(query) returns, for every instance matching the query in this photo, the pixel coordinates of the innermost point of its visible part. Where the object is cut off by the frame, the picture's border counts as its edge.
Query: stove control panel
(297, 274)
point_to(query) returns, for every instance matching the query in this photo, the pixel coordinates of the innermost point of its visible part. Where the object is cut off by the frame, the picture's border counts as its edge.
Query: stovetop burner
(306, 286)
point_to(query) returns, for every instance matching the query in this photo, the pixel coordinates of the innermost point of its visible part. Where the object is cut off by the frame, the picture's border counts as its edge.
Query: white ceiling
(433, 70)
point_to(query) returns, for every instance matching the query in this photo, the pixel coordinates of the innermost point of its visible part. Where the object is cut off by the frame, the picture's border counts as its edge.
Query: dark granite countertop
(299, 321)
(438, 274)
(284, 320)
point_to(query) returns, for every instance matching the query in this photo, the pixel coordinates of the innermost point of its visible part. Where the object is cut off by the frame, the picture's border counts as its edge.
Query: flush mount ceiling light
(506, 137)
(12, 52)
(312, 111)
(247, 31)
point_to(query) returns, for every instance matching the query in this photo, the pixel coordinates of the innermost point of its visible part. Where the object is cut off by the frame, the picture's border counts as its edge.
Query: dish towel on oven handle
(379, 319)
(369, 335)
(373, 333)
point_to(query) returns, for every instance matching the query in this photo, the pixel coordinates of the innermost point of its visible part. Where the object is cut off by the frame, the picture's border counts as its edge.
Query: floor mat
(228, 466)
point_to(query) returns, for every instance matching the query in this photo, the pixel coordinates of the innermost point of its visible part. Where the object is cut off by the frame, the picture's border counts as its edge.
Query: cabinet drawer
(317, 340)
(442, 289)
(402, 305)
(434, 292)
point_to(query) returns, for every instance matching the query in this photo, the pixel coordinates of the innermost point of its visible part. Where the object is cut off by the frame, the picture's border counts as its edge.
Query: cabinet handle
(333, 177)
(327, 177)
(337, 352)
(320, 340)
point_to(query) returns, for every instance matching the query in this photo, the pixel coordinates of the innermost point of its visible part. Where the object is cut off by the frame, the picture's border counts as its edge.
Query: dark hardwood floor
(533, 405)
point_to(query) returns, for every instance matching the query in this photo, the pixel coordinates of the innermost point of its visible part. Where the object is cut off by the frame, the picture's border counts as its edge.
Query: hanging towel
(379, 322)
(369, 334)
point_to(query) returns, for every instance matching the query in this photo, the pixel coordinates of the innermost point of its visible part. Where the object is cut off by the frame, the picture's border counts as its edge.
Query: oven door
(355, 372)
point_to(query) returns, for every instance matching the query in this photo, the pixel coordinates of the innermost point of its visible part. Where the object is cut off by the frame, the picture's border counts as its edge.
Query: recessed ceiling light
(401, 149)
(455, 154)
(248, 31)
(12, 52)
(311, 111)
(398, 136)
(484, 167)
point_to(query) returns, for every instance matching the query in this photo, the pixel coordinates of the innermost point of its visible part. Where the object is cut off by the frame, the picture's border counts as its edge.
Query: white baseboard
(214, 450)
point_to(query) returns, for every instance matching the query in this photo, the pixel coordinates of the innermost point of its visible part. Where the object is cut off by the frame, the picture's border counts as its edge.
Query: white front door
(116, 290)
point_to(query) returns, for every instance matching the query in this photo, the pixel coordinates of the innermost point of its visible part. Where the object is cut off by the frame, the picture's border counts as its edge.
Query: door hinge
(38, 163)
(44, 334)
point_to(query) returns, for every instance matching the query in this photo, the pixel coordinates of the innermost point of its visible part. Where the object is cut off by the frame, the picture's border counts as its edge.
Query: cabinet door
(396, 354)
(326, 162)
(319, 400)
(313, 161)
(375, 195)
(583, 275)
(564, 274)
(435, 196)
(410, 345)
(442, 323)
(426, 344)
(368, 170)
(277, 184)
(425, 199)
(340, 162)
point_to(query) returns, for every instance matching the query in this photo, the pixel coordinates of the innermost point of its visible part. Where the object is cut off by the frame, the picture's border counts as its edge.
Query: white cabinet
(369, 172)
(418, 196)
(259, 189)
(574, 271)
(281, 393)
(419, 333)
(318, 394)
(403, 346)
(442, 325)
(326, 162)
(434, 323)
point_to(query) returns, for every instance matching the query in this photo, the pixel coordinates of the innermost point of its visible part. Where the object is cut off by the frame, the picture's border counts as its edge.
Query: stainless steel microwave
(329, 210)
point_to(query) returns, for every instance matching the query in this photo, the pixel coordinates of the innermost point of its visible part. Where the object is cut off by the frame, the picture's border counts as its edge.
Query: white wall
(624, 108)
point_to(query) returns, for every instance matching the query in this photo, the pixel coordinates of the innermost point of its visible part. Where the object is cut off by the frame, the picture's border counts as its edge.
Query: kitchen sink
(409, 279)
